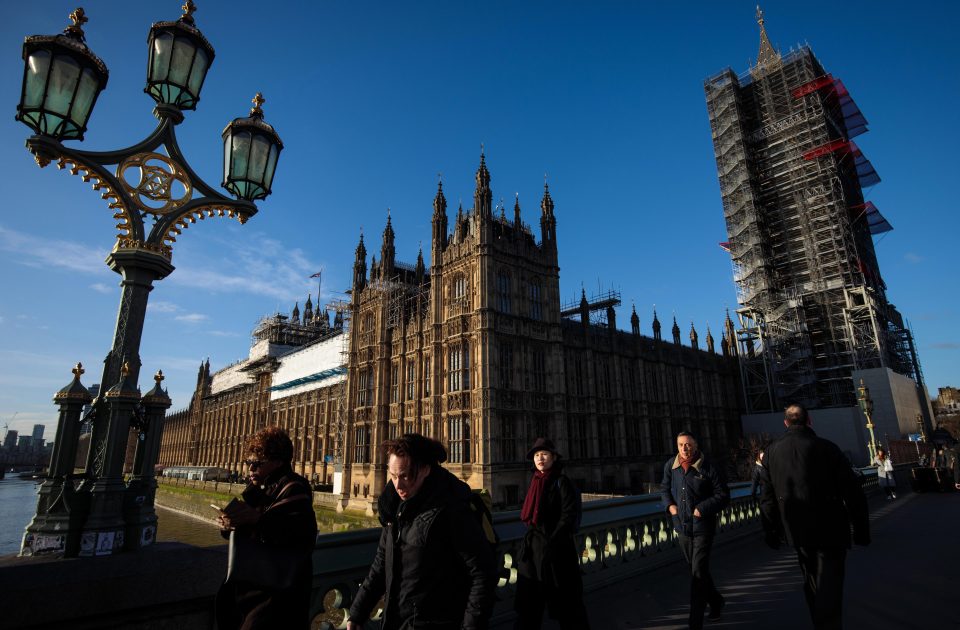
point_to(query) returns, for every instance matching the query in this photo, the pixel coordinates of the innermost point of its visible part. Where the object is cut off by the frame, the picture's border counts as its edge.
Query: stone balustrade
(618, 537)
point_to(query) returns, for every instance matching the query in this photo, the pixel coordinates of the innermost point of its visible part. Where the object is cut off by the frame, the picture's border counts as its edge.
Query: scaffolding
(341, 317)
(799, 233)
(595, 310)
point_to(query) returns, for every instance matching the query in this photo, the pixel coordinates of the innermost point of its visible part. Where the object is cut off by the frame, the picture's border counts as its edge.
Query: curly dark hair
(271, 444)
(421, 450)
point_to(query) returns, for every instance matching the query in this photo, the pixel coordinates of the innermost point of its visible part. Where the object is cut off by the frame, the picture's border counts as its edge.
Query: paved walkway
(907, 578)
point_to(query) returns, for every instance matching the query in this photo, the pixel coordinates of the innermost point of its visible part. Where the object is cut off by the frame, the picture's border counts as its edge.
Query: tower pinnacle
(768, 58)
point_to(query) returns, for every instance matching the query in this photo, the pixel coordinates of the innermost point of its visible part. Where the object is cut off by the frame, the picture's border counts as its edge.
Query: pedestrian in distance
(434, 566)
(694, 494)
(885, 473)
(756, 476)
(273, 532)
(548, 570)
(954, 462)
(812, 500)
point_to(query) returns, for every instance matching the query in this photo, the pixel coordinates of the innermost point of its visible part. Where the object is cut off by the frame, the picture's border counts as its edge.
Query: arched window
(536, 308)
(411, 378)
(458, 434)
(427, 362)
(365, 387)
(459, 367)
(503, 292)
(459, 287)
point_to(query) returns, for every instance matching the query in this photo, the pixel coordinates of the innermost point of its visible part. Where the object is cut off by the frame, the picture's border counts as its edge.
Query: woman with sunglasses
(272, 532)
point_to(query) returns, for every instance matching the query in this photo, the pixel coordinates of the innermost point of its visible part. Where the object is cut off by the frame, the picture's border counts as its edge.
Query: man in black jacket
(434, 566)
(694, 494)
(812, 499)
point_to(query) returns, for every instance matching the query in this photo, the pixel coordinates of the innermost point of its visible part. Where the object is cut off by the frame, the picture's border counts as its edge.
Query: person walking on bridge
(885, 473)
(548, 566)
(812, 499)
(434, 566)
(694, 494)
(272, 532)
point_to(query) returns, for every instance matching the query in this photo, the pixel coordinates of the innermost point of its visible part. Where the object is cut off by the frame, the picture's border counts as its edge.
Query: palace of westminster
(476, 351)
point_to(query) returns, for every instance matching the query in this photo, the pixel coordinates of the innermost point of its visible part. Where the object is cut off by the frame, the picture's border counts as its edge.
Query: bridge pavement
(907, 578)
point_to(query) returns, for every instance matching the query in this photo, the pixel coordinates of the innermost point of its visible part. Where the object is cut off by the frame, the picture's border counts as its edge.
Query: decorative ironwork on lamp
(62, 79)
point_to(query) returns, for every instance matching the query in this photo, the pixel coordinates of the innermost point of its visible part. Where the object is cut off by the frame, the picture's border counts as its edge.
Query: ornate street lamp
(154, 196)
(866, 406)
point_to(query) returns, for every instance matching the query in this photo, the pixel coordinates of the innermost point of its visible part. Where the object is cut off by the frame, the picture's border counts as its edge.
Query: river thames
(18, 500)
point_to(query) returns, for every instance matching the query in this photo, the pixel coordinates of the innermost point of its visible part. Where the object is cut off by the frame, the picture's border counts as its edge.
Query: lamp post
(866, 406)
(154, 197)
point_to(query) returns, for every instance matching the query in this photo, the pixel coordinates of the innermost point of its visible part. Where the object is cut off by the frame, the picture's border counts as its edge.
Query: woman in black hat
(549, 565)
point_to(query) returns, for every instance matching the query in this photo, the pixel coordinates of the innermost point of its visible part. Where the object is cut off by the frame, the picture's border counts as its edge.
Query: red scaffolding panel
(812, 86)
(840, 144)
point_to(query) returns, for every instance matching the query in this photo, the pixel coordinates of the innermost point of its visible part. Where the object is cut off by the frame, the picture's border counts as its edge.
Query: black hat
(542, 444)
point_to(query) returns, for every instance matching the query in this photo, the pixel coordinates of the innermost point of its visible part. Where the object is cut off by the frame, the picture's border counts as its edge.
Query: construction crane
(6, 425)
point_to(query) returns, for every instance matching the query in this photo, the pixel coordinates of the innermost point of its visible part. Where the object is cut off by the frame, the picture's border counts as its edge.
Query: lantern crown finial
(257, 110)
(158, 377)
(78, 370)
(75, 30)
(189, 8)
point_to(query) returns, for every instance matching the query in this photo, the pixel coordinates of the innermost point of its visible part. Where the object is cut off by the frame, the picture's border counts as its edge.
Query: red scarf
(686, 463)
(530, 514)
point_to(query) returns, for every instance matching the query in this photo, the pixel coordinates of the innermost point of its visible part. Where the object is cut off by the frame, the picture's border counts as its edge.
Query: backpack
(481, 506)
(578, 500)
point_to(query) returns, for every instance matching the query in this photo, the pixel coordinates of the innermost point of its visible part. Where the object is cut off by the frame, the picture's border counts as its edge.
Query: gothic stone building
(476, 351)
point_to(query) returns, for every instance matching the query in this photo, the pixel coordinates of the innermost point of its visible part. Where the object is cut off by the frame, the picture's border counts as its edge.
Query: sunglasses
(253, 463)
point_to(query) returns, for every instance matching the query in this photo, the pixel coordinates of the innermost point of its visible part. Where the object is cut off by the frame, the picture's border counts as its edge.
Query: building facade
(476, 351)
(813, 308)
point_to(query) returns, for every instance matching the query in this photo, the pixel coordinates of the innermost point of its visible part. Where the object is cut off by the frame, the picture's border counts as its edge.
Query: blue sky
(373, 99)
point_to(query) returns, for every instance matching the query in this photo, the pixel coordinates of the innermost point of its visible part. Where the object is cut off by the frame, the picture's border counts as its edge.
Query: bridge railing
(618, 537)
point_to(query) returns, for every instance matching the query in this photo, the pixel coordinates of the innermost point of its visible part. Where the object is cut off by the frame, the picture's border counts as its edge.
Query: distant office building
(25, 443)
(814, 317)
(38, 432)
(10, 439)
(947, 401)
(87, 427)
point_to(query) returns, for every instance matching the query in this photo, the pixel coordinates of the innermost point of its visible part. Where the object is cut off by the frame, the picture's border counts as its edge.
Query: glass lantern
(62, 79)
(178, 61)
(251, 148)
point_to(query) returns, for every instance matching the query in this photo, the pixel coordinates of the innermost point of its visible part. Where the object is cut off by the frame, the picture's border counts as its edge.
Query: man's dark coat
(701, 488)
(433, 565)
(811, 496)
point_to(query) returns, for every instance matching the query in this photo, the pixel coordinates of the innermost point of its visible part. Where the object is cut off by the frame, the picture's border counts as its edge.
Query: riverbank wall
(196, 497)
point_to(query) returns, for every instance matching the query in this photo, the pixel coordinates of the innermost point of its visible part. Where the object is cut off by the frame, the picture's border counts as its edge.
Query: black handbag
(267, 567)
